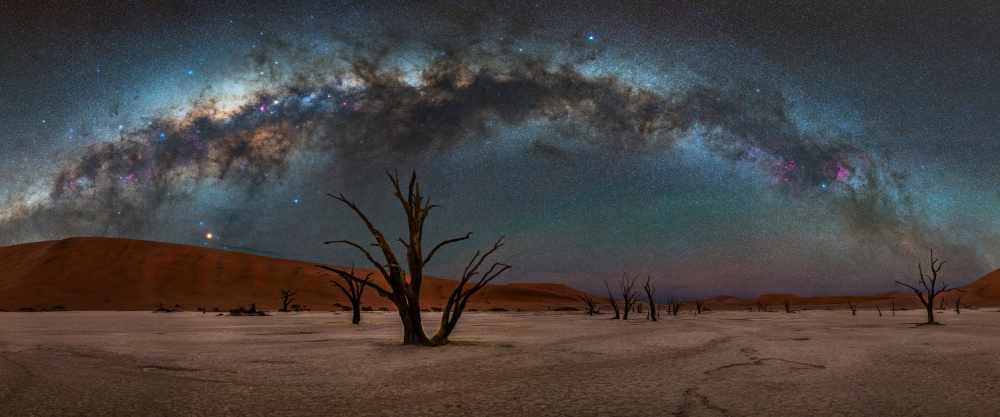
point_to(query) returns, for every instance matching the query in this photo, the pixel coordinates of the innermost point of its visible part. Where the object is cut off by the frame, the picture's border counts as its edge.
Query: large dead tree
(613, 302)
(929, 284)
(629, 297)
(404, 289)
(354, 290)
(286, 298)
(650, 289)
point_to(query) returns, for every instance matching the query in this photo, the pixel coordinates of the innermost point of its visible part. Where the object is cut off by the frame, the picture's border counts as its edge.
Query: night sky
(739, 148)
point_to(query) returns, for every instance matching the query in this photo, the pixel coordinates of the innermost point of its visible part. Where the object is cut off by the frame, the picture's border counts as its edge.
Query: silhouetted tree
(788, 305)
(879, 309)
(929, 284)
(958, 305)
(460, 296)
(649, 298)
(611, 300)
(699, 305)
(853, 307)
(629, 297)
(674, 307)
(354, 290)
(591, 302)
(286, 298)
(404, 290)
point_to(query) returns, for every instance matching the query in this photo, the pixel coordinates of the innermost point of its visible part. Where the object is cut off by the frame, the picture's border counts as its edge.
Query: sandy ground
(717, 364)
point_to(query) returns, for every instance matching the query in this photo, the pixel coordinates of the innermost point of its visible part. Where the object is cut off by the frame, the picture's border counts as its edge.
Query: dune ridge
(89, 273)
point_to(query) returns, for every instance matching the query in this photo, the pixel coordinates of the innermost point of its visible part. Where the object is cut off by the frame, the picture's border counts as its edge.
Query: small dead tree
(613, 302)
(853, 307)
(893, 308)
(788, 305)
(591, 302)
(650, 289)
(958, 305)
(286, 298)
(761, 307)
(879, 309)
(929, 287)
(629, 297)
(354, 290)
(699, 305)
(675, 307)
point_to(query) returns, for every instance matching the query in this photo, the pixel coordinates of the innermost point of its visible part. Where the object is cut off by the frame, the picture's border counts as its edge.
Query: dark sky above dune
(723, 147)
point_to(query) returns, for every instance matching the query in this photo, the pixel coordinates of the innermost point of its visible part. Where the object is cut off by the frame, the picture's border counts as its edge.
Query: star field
(722, 147)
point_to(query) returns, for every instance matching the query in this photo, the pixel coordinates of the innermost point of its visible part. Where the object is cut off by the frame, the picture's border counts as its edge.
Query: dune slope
(123, 274)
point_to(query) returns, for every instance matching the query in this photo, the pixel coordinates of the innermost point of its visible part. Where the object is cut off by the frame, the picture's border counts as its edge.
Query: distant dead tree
(853, 307)
(674, 306)
(650, 289)
(958, 305)
(788, 305)
(761, 307)
(893, 308)
(286, 298)
(929, 284)
(879, 309)
(629, 297)
(699, 305)
(354, 289)
(404, 289)
(611, 300)
(591, 302)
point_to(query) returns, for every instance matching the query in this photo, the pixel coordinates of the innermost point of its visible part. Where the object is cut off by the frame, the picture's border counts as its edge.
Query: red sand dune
(123, 274)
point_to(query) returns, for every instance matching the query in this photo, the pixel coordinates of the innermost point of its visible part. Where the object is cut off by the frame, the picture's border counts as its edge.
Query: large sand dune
(123, 274)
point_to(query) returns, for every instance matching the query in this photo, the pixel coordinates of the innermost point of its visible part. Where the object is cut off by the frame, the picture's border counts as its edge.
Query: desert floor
(720, 363)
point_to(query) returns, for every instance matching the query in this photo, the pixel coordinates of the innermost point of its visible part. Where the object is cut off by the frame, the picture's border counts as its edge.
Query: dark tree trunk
(930, 310)
(929, 285)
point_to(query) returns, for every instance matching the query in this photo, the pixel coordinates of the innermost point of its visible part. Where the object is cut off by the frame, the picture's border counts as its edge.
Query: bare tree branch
(439, 245)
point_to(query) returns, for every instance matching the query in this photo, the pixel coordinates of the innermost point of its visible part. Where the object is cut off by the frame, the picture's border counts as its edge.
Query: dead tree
(354, 289)
(698, 305)
(611, 300)
(958, 305)
(929, 284)
(460, 296)
(853, 307)
(879, 309)
(629, 297)
(675, 306)
(286, 298)
(591, 302)
(761, 307)
(894, 308)
(404, 289)
(650, 289)
(788, 305)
